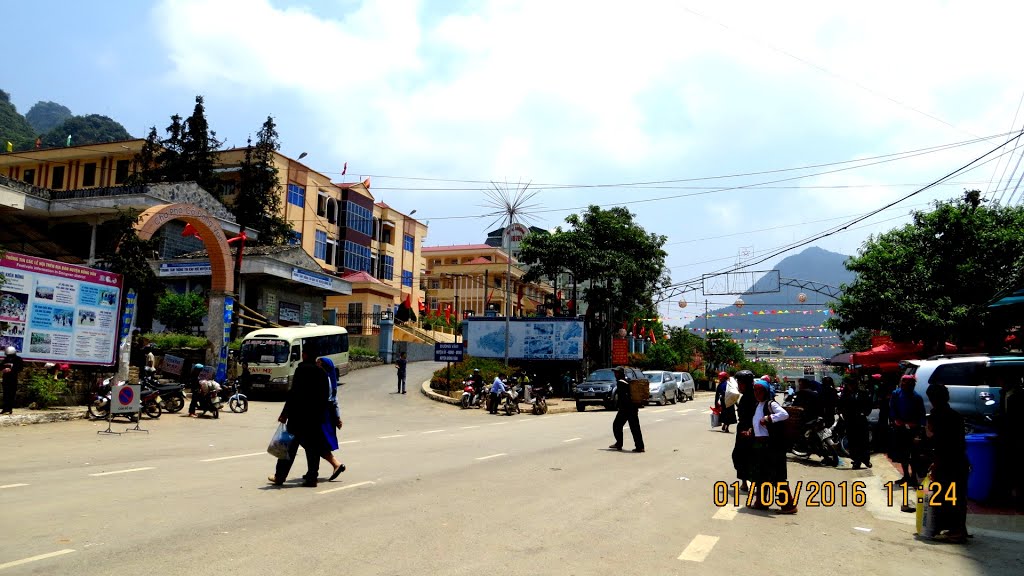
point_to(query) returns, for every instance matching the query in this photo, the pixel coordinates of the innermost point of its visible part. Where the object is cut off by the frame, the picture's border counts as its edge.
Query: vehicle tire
(98, 413)
(465, 402)
(174, 404)
(675, 397)
(691, 394)
(508, 408)
(238, 405)
(580, 406)
(663, 401)
(215, 412)
(152, 409)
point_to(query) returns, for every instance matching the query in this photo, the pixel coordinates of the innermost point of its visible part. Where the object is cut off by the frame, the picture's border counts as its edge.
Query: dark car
(599, 387)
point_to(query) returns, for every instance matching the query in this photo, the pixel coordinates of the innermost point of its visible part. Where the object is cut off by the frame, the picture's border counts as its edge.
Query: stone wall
(415, 351)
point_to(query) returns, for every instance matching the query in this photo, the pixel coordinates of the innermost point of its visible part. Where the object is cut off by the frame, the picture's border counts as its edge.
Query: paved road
(432, 489)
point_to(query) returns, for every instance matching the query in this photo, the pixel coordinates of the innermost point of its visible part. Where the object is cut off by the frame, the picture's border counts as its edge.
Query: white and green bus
(269, 355)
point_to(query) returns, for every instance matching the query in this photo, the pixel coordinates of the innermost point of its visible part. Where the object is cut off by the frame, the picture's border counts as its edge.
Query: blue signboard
(128, 317)
(448, 352)
(222, 365)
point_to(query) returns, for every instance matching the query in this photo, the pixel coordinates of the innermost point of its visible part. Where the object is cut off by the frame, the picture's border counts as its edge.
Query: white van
(269, 355)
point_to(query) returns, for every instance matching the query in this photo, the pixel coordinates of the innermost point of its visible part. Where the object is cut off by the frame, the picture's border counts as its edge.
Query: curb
(556, 407)
(42, 417)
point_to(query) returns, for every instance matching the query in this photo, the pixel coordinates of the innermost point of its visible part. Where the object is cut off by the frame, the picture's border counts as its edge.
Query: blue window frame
(409, 243)
(296, 195)
(358, 218)
(320, 245)
(388, 271)
(357, 257)
(295, 239)
(407, 278)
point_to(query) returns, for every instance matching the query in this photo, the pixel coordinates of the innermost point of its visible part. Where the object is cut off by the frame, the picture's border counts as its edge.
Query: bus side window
(296, 355)
(344, 342)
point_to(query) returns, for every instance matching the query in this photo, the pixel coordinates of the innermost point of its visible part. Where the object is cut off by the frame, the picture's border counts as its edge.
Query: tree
(662, 356)
(13, 126)
(147, 167)
(45, 116)
(258, 204)
(91, 129)
(758, 368)
(686, 344)
(621, 263)
(721, 350)
(199, 147)
(931, 281)
(857, 341)
(181, 312)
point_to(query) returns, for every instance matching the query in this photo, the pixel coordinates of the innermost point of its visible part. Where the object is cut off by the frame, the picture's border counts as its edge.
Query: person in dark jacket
(829, 400)
(906, 412)
(627, 412)
(744, 428)
(727, 414)
(304, 413)
(11, 365)
(950, 468)
(855, 405)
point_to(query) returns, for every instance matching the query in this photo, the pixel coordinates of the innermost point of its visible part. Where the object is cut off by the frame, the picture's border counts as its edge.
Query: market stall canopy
(840, 359)
(1015, 298)
(887, 356)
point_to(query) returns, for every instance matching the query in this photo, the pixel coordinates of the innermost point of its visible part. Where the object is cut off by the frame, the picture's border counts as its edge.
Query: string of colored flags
(825, 311)
(816, 328)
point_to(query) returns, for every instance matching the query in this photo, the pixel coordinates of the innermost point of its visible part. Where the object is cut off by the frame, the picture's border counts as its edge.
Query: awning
(1014, 298)
(889, 354)
(839, 359)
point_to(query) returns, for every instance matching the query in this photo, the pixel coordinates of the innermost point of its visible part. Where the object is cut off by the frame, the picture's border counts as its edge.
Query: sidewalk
(24, 416)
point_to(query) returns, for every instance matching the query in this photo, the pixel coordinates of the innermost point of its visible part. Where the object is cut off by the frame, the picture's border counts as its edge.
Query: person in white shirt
(769, 453)
(497, 389)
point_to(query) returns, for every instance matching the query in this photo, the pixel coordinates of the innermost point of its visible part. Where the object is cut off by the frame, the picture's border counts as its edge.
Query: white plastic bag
(732, 392)
(280, 443)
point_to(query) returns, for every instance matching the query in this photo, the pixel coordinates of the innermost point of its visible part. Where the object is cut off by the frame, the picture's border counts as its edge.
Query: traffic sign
(125, 399)
(448, 352)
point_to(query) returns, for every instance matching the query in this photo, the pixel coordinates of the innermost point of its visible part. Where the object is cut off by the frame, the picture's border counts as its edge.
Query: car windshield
(654, 376)
(265, 351)
(601, 376)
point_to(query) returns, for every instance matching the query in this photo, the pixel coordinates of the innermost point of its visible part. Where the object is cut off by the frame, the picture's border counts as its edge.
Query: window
(331, 251)
(435, 284)
(57, 181)
(407, 278)
(29, 177)
(320, 245)
(296, 195)
(358, 218)
(433, 303)
(120, 171)
(295, 238)
(354, 309)
(332, 210)
(357, 257)
(387, 271)
(89, 174)
(408, 243)
(321, 204)
(376, 314)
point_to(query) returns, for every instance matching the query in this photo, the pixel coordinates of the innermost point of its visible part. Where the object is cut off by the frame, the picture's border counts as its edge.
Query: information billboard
(52, 311)
(529, 338)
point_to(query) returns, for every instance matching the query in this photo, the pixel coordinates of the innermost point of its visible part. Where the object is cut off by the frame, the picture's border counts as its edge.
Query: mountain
(22, 131)
(45, 116)
(759, 320)
(13, 126)
(89, 129)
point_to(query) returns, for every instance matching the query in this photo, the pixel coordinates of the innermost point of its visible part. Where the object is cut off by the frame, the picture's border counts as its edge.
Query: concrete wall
(415, 352)
(371, 341)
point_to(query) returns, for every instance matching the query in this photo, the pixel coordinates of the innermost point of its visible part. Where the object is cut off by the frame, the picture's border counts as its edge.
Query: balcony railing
(26, 188)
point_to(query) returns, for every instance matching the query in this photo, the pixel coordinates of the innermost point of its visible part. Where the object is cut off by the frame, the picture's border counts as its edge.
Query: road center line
(492, 456)
(122, 471)
(35, 558)
(12, 486)
(467, 427)
(699, 548)
(572, 439)
(356, 485)
(392, 436)
(232, 457)
(726, 513)
(497, 423)
(432, 431)
(348, 442)
(660, 420)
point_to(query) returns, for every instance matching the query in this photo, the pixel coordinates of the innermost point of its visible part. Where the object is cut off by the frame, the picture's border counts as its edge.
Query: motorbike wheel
(465, 402)
(215, 412)
(174, 404)
(238, 405)
(152, 409)
(98, 413)
(543, 406)
(800, 452)
(508, 408)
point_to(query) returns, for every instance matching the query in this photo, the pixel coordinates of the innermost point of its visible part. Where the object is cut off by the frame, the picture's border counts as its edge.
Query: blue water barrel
(981, 451)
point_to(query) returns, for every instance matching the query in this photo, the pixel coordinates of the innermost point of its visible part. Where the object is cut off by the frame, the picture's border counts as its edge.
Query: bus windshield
(265, 351)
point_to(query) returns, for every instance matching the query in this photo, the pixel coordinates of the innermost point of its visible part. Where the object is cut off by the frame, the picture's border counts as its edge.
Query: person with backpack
(768, 451)
(727, 413)
(745, 424)
(627, 412)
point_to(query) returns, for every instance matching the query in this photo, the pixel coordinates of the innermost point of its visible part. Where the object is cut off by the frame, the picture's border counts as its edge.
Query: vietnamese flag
(190, 230)
(653, 339)
(448, 313)
(422, 306)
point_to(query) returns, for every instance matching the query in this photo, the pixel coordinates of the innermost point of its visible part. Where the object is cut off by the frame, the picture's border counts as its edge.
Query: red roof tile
(459, 247)
(354, 277)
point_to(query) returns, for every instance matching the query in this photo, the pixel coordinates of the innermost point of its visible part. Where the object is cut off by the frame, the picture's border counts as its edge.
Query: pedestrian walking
(744, 428)
(497, 389)
(12, 366)
(303, 414)
(855, 405)
(768, 452)
(628, 412)
(950, 468)
(727, 414)
(332, 419)
(400, 364)
(906, 412)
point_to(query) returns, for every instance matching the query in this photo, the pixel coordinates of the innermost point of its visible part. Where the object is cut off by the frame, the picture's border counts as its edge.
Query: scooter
(172, 396)
(99, 405)
(467, 394)
(817, 439)
(540, 392)
(237, 401)
(511, 400)
(209, 400)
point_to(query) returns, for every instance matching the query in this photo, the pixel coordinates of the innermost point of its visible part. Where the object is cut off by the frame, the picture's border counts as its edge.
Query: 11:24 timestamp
(938, 494)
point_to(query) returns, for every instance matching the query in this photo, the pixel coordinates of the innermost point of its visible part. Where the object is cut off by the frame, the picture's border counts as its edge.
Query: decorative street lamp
(739, 302)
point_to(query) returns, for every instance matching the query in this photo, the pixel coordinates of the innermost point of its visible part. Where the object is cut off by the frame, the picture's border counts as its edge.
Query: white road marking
(348, 442)
(432, 431)
(12, 486)
(35, 558)
(660, 420)
(572, 439)
(356, 485)
(660, 411)
(392, 436)
(726, 513)
(498, 423)
(122, 471)
(232, 457)
(862, 529)
(699, 548)
(468, 427)
(492, 456)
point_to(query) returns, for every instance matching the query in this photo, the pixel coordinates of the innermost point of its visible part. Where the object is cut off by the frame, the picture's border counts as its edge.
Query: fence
(358, 324)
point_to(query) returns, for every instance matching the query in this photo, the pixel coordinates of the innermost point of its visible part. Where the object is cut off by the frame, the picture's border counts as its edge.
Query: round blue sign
(125, 396)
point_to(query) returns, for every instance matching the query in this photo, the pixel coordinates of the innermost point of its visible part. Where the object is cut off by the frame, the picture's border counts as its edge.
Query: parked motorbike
(172, 396)
(510, 400)
(99, 405)
(540, 392)
(208, 399)
(468, 393)
(816, 438)
(237, 401)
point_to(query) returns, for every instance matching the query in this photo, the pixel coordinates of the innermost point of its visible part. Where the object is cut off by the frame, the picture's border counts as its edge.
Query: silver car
(685, 387)
(663, 386)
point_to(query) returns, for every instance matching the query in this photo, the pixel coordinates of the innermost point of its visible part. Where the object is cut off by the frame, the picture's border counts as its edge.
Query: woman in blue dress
(332, 421)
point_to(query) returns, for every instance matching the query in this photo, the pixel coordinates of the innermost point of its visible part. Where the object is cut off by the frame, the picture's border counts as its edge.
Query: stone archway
(222, 281)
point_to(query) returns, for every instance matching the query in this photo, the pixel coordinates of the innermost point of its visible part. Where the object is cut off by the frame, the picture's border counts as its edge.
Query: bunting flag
(344, 169)
(10, 146)
(448, 313)
(190, 231)
(39, 143)
(815, 328)
(68, 141)
(825, 311)
(653, 339)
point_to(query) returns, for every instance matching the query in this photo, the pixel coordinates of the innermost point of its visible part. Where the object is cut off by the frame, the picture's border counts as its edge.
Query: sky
(655, 105)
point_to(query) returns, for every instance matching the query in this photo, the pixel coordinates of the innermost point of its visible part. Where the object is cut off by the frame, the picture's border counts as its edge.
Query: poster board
(59, 312)
(530, 338)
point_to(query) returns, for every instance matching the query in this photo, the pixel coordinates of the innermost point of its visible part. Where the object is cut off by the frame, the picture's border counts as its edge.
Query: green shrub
(42, 390)
(170, 340)
(361, 353)
(180, 311)
(489, 368)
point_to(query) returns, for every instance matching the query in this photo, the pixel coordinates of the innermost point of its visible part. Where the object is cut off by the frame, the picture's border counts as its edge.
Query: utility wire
(1012, 124)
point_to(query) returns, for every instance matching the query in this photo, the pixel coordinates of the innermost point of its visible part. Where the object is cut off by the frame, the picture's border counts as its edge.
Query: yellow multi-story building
(474, 279)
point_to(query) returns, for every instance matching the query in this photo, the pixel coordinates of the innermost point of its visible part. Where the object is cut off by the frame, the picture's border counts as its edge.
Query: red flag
(408, 301)
(653, 339)
(190, 230)
(421, 306)
(643, 331)
(635, 333)
(241, 237)
(448, 313)
(344, 169)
